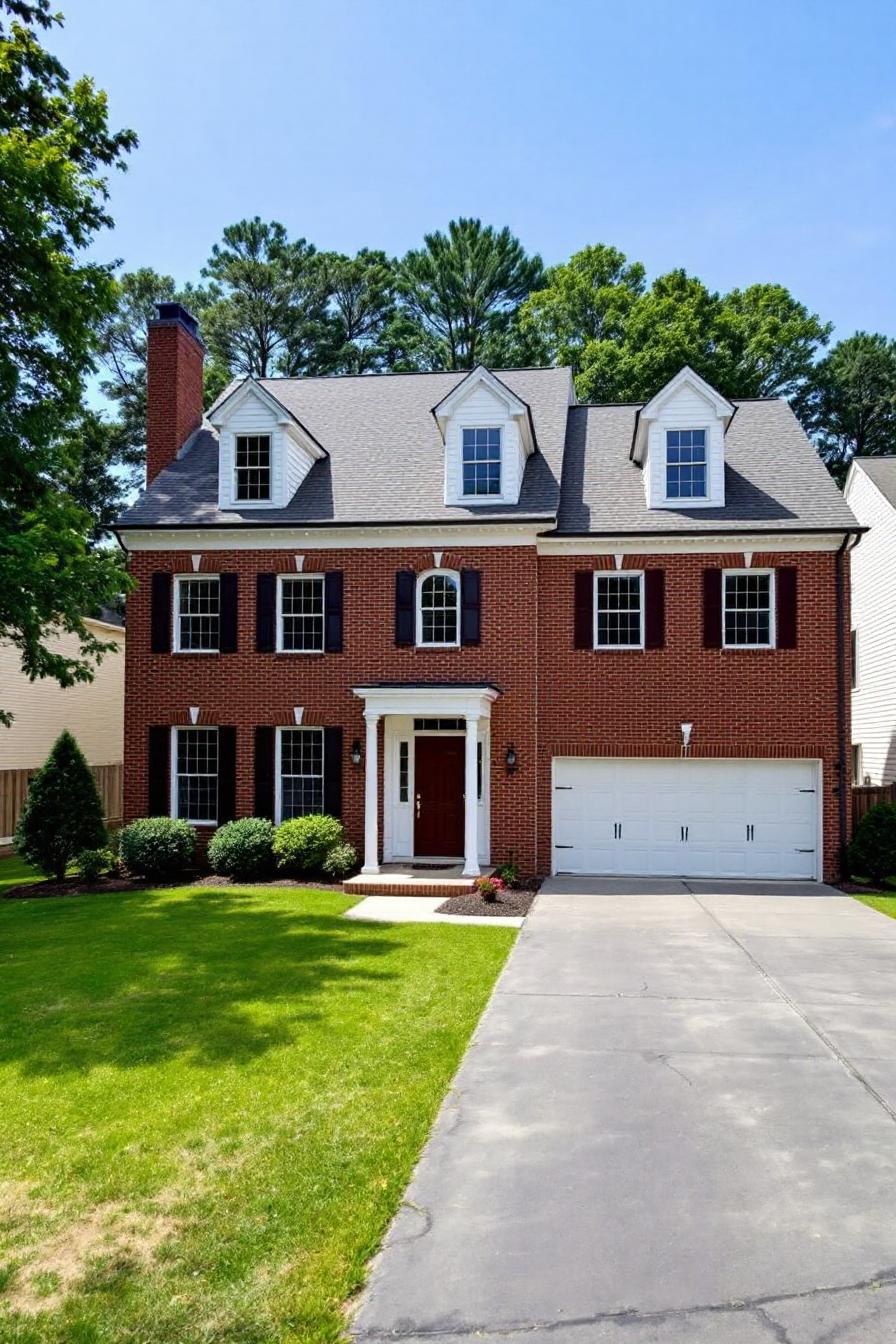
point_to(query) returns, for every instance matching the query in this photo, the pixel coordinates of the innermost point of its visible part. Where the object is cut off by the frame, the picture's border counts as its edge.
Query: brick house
(476, 619)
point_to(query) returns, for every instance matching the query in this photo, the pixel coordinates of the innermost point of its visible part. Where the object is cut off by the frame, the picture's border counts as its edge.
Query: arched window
(438, 602)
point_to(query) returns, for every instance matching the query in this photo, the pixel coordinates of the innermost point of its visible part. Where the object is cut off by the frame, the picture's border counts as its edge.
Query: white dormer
(264, 452)
(488, 435)
(680, 442)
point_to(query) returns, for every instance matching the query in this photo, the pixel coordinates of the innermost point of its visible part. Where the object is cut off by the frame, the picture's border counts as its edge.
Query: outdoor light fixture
(356, 752)
(686, 730)
(510, 759)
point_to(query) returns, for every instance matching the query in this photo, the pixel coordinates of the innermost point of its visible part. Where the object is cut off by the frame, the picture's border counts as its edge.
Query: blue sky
(745, 142)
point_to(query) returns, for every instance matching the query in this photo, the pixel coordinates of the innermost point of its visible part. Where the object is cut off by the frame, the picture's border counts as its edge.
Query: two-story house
(871, 494)
(476, 619)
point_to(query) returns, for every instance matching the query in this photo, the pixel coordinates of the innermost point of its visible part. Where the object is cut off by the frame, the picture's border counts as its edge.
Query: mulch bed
(213, 880)
(70, 887)
(509, 902)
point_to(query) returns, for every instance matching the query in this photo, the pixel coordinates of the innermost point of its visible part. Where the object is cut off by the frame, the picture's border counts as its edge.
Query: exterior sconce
(356, 752)
(510, 759)
(686, 730)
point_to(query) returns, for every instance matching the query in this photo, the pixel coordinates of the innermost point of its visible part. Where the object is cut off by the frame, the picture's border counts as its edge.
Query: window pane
(686, 464)
(301, 771)
(402, 772)
(302, 614)
(438, 610)
(618, 610)
(198, 613)
(197, 774)
(481, 465)
(253, 466)
(747, 609)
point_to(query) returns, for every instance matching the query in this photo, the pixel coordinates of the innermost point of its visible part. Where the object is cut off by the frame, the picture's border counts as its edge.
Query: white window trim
(617, 574)
(497, 498)
(175, 614)
(268, 502)
(172, 753)
(687, 501)
(857, 764)
(278, 774)
(418, 607)
(772, 625)
(319, 580)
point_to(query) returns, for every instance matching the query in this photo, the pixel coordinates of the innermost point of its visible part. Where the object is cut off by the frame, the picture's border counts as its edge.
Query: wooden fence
(14, 788)
(867, 796)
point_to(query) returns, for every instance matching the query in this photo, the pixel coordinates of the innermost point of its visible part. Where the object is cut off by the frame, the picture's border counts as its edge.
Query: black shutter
(654, 608)
(785, 607)
(159, 771)
(228, 595)
(160, 618)
(333, 611)
(583, 623)
(226, 775)
(405, 584)
(712, 608)
(266, 613)
(333, 772)
(470, 606)
(264, 773)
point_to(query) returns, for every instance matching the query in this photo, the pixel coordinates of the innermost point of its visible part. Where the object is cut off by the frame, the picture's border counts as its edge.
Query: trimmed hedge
(302, 844)
(873, 851)
(243, 849)
(157, 847)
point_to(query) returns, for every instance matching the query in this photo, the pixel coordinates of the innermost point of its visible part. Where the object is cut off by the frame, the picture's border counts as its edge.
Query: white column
(371, 797)
(471, 802)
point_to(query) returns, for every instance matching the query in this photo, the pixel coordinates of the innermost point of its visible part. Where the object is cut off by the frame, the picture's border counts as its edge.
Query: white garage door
(686, 818)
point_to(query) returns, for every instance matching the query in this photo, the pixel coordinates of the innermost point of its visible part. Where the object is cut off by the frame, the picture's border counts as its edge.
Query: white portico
(436, 752)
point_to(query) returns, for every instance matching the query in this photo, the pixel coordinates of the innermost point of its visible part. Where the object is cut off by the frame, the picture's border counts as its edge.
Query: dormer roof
(241, 390)
(483, 377)
(721, 407)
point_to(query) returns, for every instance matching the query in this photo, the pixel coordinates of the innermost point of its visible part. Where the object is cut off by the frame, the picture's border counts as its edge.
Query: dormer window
(685, 463)
(481, 461)
(253, 466)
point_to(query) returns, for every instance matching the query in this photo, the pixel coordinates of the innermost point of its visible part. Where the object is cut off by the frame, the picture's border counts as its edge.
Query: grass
(14, 871)
(212, 1099)
(879, 900)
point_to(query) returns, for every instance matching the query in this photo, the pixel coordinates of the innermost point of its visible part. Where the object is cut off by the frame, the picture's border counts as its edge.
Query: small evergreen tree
(63, 813)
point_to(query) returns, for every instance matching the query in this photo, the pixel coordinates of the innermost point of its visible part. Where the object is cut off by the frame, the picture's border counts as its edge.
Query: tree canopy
(855, 408)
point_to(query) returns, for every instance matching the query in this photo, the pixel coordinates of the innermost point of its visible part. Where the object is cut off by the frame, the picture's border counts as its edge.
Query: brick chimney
(173, 385)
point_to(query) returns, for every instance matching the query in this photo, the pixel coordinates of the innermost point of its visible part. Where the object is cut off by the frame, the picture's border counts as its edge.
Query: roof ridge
(415, 373)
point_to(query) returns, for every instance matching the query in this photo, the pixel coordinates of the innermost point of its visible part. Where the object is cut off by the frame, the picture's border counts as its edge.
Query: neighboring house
(92, 710)
(871, 494)
(477, 619)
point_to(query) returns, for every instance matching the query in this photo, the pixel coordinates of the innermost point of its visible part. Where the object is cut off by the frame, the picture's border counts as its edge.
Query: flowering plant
(488, 887)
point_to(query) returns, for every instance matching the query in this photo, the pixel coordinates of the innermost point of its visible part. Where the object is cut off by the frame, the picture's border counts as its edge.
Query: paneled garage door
(742, 818)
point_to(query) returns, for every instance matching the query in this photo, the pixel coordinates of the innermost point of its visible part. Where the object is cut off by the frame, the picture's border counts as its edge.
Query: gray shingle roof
(385, 462)
(385, 456)
(882, 471)
(773, 476)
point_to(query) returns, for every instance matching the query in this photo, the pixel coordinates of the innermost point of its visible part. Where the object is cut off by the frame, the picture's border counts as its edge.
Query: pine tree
(63, 813)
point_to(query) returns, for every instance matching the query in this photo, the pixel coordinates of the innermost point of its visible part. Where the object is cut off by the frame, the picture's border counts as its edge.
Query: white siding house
(871, 494)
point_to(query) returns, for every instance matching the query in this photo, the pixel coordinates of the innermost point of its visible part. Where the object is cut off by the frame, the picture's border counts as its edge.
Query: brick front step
(401, 881)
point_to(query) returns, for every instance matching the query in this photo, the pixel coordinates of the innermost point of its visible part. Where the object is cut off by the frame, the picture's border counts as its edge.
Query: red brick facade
(173, 392)
(555, 700)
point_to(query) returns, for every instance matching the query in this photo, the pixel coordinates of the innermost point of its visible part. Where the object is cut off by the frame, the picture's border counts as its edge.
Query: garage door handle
(684, 832)
(751, 832)
(563, 846)
(560, 787)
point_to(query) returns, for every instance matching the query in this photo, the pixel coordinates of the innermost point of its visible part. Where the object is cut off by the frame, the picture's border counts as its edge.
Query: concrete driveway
(676, 1123)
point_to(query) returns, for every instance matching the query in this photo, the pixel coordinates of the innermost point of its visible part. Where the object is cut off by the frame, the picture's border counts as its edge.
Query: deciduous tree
(855, 409)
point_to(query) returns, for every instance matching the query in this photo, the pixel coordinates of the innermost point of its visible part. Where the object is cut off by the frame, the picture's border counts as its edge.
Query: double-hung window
(195, 782)
(481, 461)
(197, 615)
(300, 772)
(253, 467)
(300, 624)
(748, 609)
(686, 464)
(619, 611)
(438, 601)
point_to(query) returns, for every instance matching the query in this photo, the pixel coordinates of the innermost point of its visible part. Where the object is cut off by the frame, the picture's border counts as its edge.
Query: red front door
(439, 796)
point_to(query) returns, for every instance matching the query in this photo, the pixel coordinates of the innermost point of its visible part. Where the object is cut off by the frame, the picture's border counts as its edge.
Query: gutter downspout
(842, 759)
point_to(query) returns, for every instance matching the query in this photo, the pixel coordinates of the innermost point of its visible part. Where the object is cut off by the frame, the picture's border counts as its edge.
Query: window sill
(300, 653)
(750, 648)
(618, 648)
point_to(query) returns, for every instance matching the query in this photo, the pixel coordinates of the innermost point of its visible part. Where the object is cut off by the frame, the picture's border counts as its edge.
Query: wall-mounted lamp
(510, 759)
(356, 752)
(686, 730)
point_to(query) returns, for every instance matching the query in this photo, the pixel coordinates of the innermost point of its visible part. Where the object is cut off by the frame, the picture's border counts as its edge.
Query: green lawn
(879, 900)
(13, 871)
(211, 1102)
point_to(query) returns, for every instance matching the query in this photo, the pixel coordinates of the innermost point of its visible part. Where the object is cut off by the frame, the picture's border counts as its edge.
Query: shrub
(62, 813)
(302, 844)
(340, 862)
(243, 849)
(873, 851)
(488, 887)
(157, 847)
(509, 873)
(90, 864)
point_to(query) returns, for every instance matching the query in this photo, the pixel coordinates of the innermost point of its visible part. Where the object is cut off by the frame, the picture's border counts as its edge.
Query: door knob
(417, 802)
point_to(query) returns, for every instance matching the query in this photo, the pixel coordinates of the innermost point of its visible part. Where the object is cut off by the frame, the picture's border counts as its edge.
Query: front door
(438, 796)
